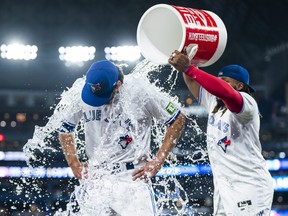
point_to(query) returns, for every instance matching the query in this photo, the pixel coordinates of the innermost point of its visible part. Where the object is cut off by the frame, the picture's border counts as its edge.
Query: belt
(116, 167)
(127, 166)
(121, 167)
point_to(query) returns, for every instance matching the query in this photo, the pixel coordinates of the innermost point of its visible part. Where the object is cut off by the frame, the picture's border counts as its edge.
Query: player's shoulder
(248, 98)
(140, 88)
(250, 107)
(137, 85)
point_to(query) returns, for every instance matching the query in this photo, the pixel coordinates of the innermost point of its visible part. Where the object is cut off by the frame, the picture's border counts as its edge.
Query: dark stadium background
(257, 39)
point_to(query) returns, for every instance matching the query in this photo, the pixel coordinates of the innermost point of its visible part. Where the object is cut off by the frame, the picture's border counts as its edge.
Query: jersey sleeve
(206, 99)
(162, 108)
(69, 108)
(70, 122)
(70, 117)
(249, 109)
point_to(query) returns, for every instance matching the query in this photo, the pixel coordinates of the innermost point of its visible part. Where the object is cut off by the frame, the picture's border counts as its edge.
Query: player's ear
(118, 84)
(240, 86)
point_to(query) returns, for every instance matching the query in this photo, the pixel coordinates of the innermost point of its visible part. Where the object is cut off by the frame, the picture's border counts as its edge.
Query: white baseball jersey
(120, 132)
(242, 182)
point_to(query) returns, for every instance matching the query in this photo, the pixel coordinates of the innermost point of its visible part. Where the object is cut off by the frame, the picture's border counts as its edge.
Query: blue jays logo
(95, 87)
(224, 143)
(124, 141)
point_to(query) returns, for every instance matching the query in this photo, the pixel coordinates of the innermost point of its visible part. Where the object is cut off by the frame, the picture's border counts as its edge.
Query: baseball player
(117, 116)
(242, 184)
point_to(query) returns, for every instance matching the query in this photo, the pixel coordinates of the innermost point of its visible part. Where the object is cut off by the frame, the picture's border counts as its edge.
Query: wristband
(191, 72)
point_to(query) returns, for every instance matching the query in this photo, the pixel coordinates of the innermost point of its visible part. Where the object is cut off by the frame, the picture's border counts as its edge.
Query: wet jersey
(241, 179)
(120, 132)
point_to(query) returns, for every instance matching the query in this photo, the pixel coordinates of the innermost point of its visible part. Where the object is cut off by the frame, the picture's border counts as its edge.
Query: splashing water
(43, 136)
(170, 194)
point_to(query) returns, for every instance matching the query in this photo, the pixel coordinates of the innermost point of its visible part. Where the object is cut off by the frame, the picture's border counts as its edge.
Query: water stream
(170, 191)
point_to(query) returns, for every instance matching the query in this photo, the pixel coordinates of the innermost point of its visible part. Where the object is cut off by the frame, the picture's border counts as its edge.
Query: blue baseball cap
(101, 79)
(236, 72)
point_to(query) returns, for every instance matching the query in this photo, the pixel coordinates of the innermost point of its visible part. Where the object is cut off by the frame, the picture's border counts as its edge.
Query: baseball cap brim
(251, 89)
(91, 99)
(236, 72)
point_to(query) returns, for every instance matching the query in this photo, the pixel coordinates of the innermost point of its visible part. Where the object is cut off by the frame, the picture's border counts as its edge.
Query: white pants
(115, 194)
(232, 210)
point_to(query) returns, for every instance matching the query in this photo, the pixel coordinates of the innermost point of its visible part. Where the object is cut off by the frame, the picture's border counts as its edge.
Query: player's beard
(220, 103)
(219, 106)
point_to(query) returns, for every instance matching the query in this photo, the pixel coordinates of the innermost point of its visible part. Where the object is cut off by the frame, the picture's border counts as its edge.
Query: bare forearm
(172, 135)
(152, 167)
(68, 145)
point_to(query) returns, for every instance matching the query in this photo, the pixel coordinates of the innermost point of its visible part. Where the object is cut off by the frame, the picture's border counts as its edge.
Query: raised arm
(181, 63)
(221, 89)
(191, 85)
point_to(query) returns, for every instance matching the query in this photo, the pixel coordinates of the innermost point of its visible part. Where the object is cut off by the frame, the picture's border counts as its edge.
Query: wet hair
(246, 89)
(121, 74)
(220, 105)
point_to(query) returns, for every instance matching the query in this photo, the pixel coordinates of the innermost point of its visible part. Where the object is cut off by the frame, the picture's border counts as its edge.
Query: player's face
(234, 83)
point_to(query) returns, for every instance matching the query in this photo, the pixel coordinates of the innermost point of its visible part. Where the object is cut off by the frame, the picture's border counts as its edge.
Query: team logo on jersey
(124, 141)
(220, 124)
(170, 108)
(224, 143)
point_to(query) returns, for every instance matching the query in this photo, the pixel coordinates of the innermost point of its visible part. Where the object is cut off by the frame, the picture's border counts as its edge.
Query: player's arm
(217, 87)
(68, 145)
(181, 63)
(171, 137)
(192, 85)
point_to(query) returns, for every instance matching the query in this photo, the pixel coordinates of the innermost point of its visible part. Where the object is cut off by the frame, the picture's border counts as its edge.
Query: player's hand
(179, 61)
(146, 172)
(79, 170)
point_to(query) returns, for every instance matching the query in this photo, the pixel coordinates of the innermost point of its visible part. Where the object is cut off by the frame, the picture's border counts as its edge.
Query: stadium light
(18, 52)
(76, 54)
(122, 53)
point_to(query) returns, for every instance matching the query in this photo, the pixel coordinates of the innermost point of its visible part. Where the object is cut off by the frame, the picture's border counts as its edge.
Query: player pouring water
(243, 185)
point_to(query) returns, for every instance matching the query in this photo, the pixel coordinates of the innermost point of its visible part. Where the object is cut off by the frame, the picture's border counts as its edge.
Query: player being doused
(117, 114)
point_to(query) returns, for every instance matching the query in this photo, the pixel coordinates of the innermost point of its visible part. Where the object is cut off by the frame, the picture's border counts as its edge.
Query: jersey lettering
(221, 125)
(92, 115)
(128, 124)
